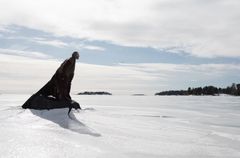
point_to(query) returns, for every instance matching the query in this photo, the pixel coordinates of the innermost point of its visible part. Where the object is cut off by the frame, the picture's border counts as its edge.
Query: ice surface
(123, 127)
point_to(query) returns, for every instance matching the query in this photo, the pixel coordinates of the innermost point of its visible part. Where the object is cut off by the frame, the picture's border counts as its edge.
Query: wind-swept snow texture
(123, 127)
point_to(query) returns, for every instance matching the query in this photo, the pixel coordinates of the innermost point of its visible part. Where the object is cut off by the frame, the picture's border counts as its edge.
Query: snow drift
(123, 127)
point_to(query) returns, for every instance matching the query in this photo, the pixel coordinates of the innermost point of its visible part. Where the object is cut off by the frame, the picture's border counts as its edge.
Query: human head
(75, 55)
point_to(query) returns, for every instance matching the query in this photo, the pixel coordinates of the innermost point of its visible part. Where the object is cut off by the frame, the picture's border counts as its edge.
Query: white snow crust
(123, 127)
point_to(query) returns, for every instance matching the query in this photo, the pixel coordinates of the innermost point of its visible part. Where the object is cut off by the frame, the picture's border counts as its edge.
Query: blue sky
(173, 45)
(96, 51)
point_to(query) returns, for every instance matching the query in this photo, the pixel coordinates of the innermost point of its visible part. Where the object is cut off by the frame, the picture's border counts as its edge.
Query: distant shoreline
(233, 90)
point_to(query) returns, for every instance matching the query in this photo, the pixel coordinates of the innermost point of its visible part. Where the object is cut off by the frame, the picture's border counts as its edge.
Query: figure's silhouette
(55, 94)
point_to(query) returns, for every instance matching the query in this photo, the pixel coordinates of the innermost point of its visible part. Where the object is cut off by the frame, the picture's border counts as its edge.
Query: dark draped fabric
(56, 92)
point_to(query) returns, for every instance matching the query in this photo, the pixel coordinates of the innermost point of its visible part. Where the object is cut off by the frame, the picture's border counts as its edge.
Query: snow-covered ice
(123, 127)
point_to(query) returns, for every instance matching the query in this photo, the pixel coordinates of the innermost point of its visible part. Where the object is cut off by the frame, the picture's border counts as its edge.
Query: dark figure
(55, 94)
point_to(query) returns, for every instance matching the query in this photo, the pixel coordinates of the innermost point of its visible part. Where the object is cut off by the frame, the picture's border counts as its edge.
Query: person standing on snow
(58, 88)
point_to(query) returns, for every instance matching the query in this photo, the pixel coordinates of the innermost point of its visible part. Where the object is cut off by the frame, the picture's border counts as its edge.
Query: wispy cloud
(200, 68)
(30, 54)
(54, 43)
(39, 40)
(198, 27)
(83, 45)
(3, 28)
(91, 47)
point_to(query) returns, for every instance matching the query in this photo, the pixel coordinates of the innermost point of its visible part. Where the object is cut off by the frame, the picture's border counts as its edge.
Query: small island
(94, 93)
(138, 95)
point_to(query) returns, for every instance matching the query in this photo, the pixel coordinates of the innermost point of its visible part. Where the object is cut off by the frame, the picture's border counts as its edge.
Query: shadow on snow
(60, 117)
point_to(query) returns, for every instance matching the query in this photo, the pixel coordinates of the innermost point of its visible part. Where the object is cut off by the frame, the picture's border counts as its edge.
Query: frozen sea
(123, 127)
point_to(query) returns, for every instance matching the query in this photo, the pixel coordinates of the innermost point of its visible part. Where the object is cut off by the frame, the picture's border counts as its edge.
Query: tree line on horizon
(234, 90)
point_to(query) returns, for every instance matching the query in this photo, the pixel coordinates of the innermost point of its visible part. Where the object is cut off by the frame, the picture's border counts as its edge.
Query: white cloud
(86, 46)
(39, 40)
(30, 54)
(24, 75)
(165, 67)
(202, 27)
(92, 47)
(3, 28)
(55, 43)
(19, 74)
